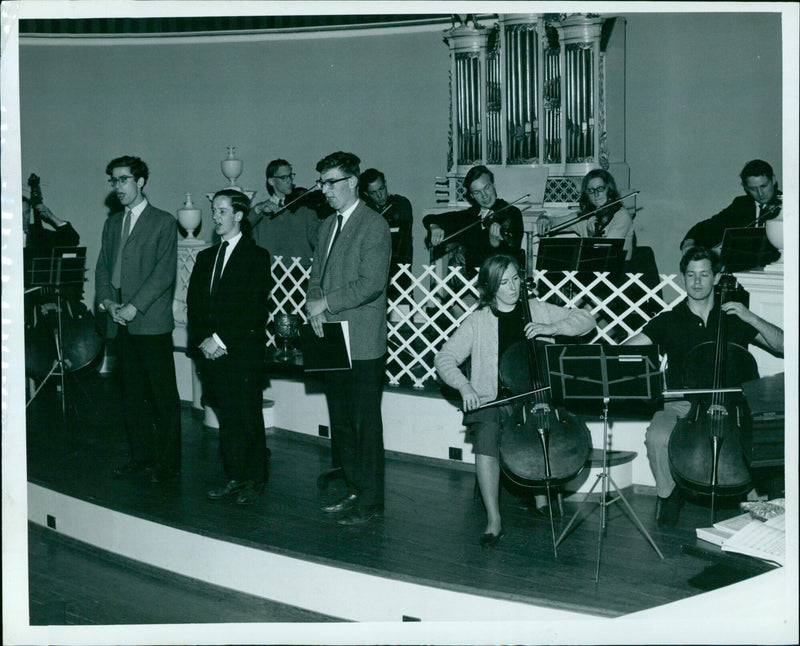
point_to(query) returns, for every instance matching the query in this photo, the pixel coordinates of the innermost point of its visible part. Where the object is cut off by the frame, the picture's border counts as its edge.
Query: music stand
(581, 254)
(605, 372)
(64, 267)
(746, 248)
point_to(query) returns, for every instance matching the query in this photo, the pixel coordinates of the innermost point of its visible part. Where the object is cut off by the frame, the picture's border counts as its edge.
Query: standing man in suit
(228, 308)
(135, 281)
(348, 282)
(762, 202)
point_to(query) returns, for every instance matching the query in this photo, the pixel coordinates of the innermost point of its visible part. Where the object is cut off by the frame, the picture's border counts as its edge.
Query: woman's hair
(612, 193)
(491, 274)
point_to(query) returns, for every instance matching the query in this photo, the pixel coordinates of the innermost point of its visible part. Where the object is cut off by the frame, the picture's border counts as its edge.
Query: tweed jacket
(149, 265)
(353, 280)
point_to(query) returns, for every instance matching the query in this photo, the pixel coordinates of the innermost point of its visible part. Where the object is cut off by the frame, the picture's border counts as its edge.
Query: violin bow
(469, 226)
(569, 223)
(274, 214)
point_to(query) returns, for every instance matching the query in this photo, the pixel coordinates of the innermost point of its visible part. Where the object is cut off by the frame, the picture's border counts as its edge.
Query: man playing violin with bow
(762, 202)
(677, 331)
(500, 229)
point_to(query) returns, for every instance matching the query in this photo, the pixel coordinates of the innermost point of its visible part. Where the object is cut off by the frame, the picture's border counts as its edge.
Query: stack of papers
(743, 535)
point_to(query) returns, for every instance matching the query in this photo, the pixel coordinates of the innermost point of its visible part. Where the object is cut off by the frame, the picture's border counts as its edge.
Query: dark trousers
(354, 407)
(150, 401)
(235, 392)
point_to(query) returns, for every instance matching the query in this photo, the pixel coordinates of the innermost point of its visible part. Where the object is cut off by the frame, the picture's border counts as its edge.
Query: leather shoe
(230, 488)
(544, 511)
(165, 475)
(670, 509)
(248, 495)
(132, 467)
(491, 540)
(361, 515)
(345, 504)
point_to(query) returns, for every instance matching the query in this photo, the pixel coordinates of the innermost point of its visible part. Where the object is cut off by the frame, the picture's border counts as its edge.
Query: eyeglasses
(328, 183)
(596, 191)
(290, 176)
(122, 179)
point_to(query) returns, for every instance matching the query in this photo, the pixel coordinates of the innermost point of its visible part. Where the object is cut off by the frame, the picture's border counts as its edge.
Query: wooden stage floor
(429, 534)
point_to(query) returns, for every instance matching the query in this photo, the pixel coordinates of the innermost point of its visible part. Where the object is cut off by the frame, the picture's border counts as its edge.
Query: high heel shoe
(490, 540)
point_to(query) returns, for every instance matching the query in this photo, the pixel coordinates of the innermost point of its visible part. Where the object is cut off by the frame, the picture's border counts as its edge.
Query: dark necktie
(336, 233)
(116, 274)
(218, 265)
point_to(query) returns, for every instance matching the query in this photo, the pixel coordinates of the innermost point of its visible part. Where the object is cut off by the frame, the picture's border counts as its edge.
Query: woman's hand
(543, 225)
(469, 398)
(540, 329)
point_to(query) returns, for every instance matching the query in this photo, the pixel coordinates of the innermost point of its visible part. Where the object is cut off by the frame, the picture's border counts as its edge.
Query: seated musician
(483, 337)
(58, 233)
(489, 235)
(676, 332)
(762, 202)
(287, 223)
(598, 189)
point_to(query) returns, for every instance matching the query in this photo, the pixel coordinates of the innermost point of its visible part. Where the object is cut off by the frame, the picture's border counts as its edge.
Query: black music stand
(605, 372)
(746, 248)
(581, 254)
(63, 268)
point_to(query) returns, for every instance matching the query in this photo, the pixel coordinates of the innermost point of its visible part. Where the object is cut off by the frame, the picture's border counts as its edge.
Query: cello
(705, 450)
(551, 445)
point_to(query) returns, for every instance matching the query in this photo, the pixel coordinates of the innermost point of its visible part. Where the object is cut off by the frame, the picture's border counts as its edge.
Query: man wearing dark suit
(762, 202)
(228, 308)
(134, 283)
(348, 282)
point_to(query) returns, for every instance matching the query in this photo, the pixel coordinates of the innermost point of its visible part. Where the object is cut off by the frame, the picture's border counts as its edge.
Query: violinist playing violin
(500, 229)
(598, 189)
(483, 337)
(677, 331)
(762, 202)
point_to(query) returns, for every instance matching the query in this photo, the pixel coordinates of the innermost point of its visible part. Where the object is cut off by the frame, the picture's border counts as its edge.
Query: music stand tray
(603, 373)
(581, 254)
(746, 248)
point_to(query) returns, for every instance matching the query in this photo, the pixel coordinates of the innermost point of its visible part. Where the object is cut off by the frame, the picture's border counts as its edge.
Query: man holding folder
(348, 282)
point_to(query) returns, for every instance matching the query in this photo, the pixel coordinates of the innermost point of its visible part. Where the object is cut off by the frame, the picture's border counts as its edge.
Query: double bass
(705, 450)
(551, 445)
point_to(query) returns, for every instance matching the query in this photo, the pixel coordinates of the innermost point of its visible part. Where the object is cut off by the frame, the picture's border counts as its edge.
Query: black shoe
(361, 515)
(670, 509)
(544, 511)
(345, 504)
(248, 495)
(165, 475)
(133, 467)
(230, 488)
(491, 540)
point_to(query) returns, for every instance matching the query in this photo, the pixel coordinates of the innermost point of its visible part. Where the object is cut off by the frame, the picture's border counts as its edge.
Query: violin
(551, 445)
(705, 450)
(494, 216)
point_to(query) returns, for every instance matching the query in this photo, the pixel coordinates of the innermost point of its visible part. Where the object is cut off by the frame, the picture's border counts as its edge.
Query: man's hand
(437, 234)
(211, 349)
(125, 314)
(543, 225)
(267, 206)
(495, 234)
(316, 312)
(737, 309)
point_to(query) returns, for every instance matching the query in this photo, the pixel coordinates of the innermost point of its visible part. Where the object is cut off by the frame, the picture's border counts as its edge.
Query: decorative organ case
(540, 100)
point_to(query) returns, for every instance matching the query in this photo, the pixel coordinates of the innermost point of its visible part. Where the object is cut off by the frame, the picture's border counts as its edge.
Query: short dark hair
(272, 168)
(756, 168)
(490, 274)
(701, 253)
(137, 166)
(371, 175)
(348, 163)
(240, 203)
(472, 174)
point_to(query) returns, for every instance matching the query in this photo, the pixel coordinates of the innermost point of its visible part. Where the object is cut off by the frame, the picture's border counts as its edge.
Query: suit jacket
(149, 265)
(238, 310)
(355, 277)
(41, 239)
(740, 213)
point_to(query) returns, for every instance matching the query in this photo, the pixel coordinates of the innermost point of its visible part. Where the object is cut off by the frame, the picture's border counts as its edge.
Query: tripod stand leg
(635, 518)
(577, 512)
(552, 526)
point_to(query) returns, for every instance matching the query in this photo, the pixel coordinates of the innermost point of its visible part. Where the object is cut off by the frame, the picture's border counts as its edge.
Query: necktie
(218, 265)
(336, 234)
(116, 275)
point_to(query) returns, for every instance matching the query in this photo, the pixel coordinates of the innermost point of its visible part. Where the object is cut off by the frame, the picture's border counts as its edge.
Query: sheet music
(760, 540)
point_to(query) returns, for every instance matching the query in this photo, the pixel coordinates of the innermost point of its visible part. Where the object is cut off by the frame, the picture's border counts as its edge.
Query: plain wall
(703, 96)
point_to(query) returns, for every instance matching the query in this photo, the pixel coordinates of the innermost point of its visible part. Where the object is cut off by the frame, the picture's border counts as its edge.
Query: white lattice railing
(425, 309)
